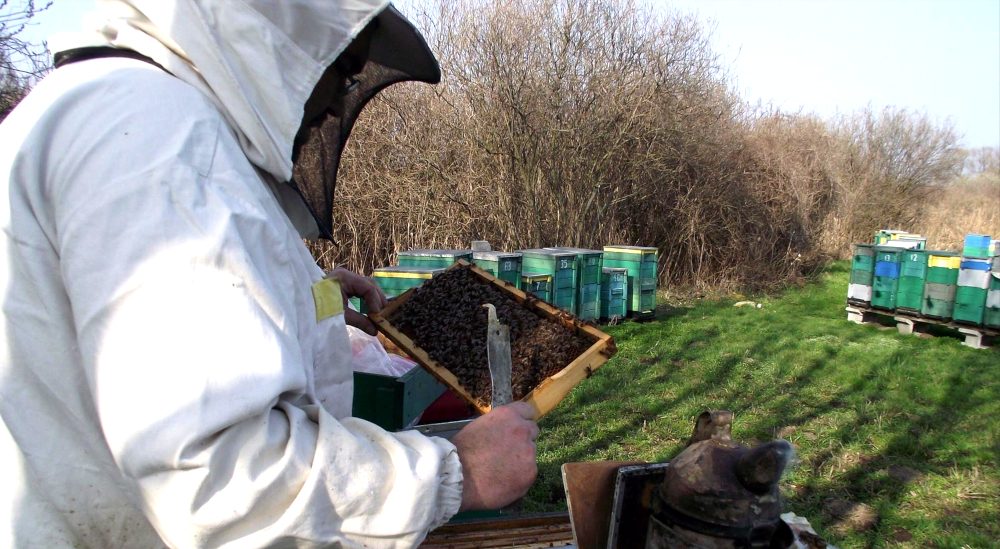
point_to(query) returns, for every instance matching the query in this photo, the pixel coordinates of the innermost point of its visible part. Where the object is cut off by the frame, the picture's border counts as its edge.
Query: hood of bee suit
(259, 61)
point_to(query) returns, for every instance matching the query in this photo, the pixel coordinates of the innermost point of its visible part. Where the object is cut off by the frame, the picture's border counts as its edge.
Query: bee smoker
(715, 494)
(720, 494)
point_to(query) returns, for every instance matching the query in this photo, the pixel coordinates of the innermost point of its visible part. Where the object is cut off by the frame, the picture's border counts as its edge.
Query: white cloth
(163, 377)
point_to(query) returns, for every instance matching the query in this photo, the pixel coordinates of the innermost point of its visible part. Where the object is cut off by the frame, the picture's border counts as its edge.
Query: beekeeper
(175, 369)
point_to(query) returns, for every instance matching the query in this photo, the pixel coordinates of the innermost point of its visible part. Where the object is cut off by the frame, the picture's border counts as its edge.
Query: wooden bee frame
(552, 390)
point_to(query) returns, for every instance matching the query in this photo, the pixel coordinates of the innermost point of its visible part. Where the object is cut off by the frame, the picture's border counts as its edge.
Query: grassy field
(898, 437)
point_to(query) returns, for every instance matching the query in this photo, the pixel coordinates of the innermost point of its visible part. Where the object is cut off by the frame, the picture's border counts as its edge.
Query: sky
(829, 56)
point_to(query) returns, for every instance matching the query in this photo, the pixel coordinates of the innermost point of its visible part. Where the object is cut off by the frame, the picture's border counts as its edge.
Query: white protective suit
(163, 375)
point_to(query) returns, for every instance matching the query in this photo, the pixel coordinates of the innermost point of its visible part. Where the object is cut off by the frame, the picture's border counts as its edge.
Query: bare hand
(497, 452)
(355, 285)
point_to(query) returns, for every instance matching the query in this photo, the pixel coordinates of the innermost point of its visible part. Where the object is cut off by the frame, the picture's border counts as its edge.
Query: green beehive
(362, 305)
(394, 403)
(885, 284)
(396, 280)
(913, 273)
(885, 235)
(864, 258)
(940, 284)
(641, 284)
(588, 281)
(614, 291)
(432, 258)
(859, 291)
(561, 266)
(974, 280)
(539, 284)
(939, 300)
(503, 265)
(884, 292)
(970, 305)
(991, 315)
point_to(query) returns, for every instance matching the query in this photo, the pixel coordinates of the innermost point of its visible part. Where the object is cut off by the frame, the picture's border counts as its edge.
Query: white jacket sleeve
(188, 297)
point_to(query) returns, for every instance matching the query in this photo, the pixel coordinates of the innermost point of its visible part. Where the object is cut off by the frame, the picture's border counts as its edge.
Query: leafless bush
(982, 160)
(589, 122)
(968, 204)
(888, 161)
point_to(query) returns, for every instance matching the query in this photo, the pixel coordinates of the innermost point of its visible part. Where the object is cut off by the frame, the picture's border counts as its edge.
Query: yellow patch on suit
(329, 301)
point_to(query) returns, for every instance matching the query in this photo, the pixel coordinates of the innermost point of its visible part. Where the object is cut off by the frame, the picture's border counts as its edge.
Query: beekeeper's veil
(397, 53)
(261, 61)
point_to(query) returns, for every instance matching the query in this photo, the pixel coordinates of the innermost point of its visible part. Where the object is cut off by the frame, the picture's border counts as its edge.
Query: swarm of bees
(445, 317)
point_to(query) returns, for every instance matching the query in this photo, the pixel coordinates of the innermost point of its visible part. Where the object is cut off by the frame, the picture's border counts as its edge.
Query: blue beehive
(977, 245)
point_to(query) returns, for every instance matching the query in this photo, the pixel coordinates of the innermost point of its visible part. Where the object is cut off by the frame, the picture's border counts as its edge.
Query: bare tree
(981, 160)
(22, 63)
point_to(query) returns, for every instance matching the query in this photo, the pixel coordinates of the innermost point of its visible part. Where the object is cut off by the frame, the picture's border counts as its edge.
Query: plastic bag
(370, 357)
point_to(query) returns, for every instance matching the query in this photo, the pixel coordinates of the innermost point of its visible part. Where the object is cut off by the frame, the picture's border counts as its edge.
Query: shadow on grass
(882, 413)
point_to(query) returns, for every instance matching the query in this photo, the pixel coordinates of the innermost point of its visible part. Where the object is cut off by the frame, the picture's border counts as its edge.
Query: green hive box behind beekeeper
(859, 290)
(588, 282)
(394, 403)
(538, 284)
(504, 265)
(613, 293)
(641, 264)
(396, 280)
(561, 266)
(432, 258)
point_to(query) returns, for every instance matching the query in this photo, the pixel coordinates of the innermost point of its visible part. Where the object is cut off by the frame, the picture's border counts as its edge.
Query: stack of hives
(615, 283)
(640, 263)
(973, 279)
(898, 273)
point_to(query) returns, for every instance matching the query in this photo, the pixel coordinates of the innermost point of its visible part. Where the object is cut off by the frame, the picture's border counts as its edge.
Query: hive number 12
(913, 257)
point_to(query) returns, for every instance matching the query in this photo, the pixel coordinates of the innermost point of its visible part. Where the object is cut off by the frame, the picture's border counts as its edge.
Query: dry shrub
(968, 204)
(593, 122)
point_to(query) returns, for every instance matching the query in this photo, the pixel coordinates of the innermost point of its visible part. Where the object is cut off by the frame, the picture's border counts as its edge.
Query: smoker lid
(721, 488)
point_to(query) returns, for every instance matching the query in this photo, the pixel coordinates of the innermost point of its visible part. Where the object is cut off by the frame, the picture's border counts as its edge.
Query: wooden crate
(552, 390)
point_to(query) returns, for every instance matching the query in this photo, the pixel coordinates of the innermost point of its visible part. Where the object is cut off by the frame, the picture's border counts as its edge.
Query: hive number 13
(887, 257)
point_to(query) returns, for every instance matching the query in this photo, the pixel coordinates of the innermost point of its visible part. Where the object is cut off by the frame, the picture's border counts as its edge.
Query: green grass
(865, 407)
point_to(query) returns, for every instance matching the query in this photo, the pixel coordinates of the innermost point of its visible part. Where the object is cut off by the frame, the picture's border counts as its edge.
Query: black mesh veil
(398, 54)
